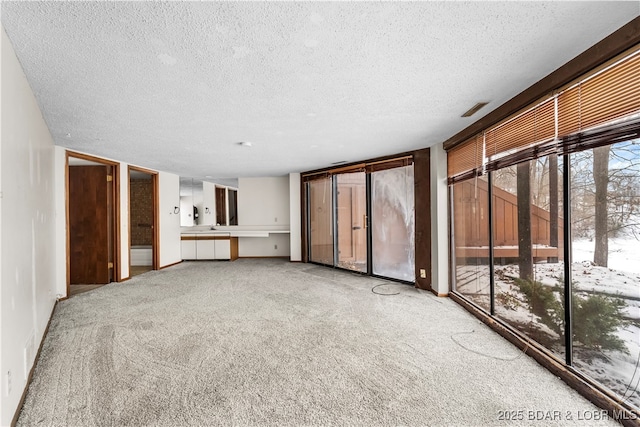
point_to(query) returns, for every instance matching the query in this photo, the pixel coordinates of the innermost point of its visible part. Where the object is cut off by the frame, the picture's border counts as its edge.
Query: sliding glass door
(351, 210)
(364, 221)
(320, 207)
(393, 223)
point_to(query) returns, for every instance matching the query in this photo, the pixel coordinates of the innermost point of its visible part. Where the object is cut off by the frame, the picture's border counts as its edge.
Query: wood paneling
(234, 249)
(89, 224)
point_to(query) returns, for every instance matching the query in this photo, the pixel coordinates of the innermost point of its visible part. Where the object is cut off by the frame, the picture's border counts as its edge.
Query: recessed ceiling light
(474, 109)
(245, 144)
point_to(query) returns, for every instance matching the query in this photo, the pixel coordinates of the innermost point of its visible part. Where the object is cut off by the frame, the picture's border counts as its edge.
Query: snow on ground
(624, 254)
(620, 372)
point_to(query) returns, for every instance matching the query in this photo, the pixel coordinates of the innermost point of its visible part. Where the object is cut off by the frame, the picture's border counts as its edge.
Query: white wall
(295, 217)
(264, 202)
(61, 222)
(439, 221)
(124, 220)
(28, 230)
(169, 192)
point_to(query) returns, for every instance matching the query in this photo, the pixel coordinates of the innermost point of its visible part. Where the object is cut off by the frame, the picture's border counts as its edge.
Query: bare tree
(553, 203)
(525, 252)
(601, 181)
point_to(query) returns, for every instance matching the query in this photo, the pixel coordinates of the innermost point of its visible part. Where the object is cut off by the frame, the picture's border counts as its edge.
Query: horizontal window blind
(608, 95)
(536, 125)
(600, 99)
(466, 156)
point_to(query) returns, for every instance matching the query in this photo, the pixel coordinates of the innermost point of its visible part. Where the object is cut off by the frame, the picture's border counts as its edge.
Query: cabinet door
(188, 249)
(223, 249)
(205, 248)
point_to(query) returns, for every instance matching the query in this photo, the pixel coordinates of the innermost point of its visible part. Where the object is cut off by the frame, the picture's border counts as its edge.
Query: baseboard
(170, 265)
(16, 415)
(436, 293)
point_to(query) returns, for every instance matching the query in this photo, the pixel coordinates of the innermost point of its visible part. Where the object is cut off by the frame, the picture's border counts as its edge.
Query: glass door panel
(393, 223)
(351, 213)
(320, 196)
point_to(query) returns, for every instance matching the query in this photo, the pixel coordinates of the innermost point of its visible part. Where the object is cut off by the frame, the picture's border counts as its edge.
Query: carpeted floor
(268, 342)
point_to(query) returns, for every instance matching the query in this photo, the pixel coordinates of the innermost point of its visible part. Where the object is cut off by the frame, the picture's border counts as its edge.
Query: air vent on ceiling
(474, 109)
(339, 163)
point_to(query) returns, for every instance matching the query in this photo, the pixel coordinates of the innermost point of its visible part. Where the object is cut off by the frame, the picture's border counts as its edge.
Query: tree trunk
(525, 258)
(601, 180)
(553, 204)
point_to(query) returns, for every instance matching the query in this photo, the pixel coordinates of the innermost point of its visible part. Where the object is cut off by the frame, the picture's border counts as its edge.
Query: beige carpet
(268, 342)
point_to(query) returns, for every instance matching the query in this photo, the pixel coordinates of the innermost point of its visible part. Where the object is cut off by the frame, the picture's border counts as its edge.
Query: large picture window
(605, 229)
(545, 226)
(471, 240)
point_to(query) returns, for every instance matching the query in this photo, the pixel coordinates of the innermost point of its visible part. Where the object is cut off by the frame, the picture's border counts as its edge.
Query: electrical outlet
(275, 247)
(275, 219)
(423, 273)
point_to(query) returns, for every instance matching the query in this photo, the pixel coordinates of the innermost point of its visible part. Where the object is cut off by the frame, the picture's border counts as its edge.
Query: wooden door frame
(115, 207)
(155, 250)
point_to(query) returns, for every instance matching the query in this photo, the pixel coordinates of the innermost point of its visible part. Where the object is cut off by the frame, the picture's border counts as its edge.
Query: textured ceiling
(175, 86)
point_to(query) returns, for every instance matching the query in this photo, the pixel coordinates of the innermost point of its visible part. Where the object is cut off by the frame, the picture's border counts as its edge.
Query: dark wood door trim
(115, 206)
(422, 191)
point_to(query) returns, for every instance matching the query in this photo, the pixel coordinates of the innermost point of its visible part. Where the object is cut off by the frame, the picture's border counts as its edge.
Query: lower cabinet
(223, 249)
(205, 248)
(188, 246)
(208, 247)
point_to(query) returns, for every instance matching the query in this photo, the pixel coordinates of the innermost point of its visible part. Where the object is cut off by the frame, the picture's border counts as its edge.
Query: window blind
(604, 96)
(611, 94)
(535, 125)
(466, 156)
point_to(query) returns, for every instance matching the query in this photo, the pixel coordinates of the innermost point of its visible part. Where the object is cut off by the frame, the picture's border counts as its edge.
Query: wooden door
(89, 225)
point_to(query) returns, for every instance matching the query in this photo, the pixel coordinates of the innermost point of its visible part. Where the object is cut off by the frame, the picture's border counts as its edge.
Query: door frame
(155, 245)
(115, 212)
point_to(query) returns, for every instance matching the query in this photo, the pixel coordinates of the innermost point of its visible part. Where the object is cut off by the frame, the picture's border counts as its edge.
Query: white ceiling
(175, 86)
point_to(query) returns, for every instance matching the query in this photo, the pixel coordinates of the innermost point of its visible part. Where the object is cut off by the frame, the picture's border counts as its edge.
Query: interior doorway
(93, 224)
(143, 221)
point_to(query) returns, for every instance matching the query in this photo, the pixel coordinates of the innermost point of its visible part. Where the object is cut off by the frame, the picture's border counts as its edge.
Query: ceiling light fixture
(474, 109)
(245, 144)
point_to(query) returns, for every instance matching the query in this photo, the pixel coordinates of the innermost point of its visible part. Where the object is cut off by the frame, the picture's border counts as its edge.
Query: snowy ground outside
(621, 372)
